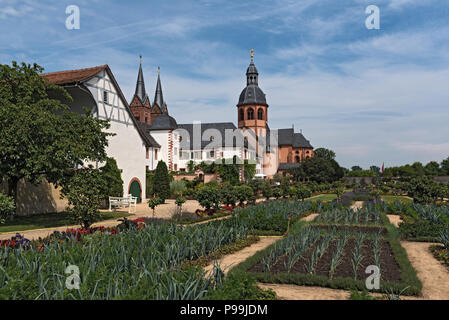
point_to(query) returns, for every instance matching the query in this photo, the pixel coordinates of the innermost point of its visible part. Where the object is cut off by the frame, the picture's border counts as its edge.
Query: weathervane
(252, 54)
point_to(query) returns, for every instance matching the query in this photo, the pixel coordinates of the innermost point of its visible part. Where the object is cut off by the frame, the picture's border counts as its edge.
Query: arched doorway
(135, 189)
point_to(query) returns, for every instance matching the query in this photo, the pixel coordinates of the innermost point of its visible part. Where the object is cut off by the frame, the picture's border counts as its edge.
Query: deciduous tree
(39, 136)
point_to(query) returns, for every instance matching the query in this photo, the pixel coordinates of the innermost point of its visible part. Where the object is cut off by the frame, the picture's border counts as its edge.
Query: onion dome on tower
(252, 94)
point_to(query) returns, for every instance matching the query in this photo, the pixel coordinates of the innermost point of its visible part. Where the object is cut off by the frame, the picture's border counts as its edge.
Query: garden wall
(188, 177)
(444, 179)
(42, 198)
(368, 180)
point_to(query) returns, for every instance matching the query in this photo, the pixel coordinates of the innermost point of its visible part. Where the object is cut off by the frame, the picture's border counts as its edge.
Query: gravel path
(231, 260)
(357, 205)
(164, 211)
(394, 219)
(294, 292)
(433, 275)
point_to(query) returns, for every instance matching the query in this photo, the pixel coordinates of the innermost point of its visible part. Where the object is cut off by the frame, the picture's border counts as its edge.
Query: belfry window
(242, 115)
(250, 114)
(260, 114)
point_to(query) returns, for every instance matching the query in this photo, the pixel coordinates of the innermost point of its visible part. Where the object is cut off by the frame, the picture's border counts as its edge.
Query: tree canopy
(318, 170)
(39, 136)
(324, 153)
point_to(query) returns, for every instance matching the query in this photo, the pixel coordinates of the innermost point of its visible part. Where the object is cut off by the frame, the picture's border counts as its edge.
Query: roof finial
(140, 59)
(252, 54)
(158, 70)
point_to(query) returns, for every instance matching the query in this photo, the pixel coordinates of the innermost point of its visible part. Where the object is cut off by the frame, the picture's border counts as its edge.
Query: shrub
(302, 193)
(112, 176)
(154, 202)
(267, 192)
(277, 193)
(84, 194)
(161, 186)
(240, 287)
(177, 187)
(244, 193)
(208, 196)
(149, 192)
(179, 202)
(228, 195)
(7, 207)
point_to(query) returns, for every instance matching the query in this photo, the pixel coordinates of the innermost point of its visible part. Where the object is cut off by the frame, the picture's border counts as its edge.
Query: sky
(372, 96)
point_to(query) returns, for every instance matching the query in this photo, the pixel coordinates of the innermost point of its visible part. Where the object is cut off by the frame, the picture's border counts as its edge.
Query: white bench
(127, 201)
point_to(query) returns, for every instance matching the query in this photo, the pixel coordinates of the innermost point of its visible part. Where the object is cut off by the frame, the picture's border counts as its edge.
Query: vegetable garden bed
(337, 254)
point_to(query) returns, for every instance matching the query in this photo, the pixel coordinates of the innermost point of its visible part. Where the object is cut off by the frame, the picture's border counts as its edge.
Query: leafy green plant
(112, 180)
(228, 195)
(7, 207)
(40, 137)
(208, 196)
(179, 202)
(154, 202)
(177, 187)
(84, 194)
(243, 193)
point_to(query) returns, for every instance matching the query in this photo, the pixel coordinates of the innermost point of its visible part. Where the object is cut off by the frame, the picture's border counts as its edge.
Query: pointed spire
(158, 97)
(140, 85)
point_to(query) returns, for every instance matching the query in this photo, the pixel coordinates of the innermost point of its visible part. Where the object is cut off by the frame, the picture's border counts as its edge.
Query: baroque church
(282, 148)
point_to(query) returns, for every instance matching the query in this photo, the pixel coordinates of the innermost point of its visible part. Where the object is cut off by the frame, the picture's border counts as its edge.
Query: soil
(390, 270)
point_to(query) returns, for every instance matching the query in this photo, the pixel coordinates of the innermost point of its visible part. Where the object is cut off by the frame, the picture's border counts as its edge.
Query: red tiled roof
(72, 76)
(81, 75)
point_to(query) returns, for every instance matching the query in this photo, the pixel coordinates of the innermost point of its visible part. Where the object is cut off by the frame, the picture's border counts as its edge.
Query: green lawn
(324, 197)
(51, 220)
(389, 199)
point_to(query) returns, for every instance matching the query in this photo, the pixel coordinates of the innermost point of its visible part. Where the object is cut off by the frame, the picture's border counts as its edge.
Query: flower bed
(75, 234)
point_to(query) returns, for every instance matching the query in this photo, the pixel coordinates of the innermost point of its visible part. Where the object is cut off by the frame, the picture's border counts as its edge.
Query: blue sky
(372, 96)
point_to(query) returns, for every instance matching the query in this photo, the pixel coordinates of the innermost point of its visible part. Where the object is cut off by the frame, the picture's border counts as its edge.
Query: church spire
(140, 85)
(158, 97)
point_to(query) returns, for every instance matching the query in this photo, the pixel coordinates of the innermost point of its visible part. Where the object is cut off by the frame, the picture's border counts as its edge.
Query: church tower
(140, 104)
(252, 108)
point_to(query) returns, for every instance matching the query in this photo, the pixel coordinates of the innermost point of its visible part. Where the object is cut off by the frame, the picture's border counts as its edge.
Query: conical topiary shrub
(161, 183)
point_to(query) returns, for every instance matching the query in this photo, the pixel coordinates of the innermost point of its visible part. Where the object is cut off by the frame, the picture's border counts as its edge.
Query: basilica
(282, 148)
(145, 132)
